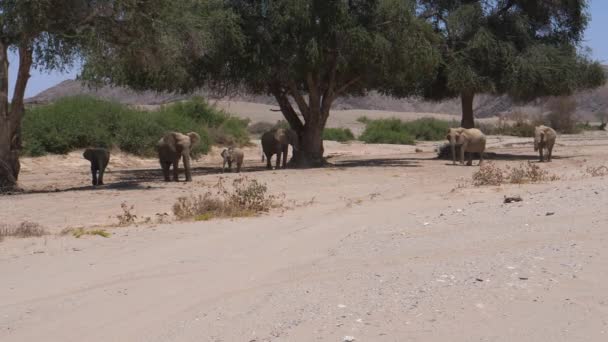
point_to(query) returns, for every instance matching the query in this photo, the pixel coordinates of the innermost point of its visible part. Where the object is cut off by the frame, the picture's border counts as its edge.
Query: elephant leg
(463, 147)
(94, 174)
(278, 163)
(540, 152)
(549, 153)
(100, 178)
(165, 166)
(480, 158)
(187, 169)
(470, 161)
(175, 164)
(268, 162)
(230, 166)
(238, 167)
(285, 149)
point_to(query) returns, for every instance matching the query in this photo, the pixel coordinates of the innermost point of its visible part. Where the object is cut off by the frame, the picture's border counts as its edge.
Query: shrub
(23, 230)
(488, 174)
(83, 121)
(394, 131)
(79, 232)
(386, 131)
(528, 173)
(246, 198)
(338, 134)
(562, 116)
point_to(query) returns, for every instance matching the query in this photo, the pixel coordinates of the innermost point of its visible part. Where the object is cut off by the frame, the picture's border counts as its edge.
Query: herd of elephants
(174, 146)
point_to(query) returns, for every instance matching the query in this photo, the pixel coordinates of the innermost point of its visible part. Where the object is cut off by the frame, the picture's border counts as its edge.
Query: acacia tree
(49, 35)
(305, 53)
(525, 49)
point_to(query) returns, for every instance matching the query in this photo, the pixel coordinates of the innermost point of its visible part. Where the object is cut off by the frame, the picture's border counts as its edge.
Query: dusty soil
(386, 245)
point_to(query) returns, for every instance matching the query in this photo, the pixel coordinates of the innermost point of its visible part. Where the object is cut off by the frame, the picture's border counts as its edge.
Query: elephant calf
(470, 140)
(99, 158)
(171, 148)
(544, 138)
(232, 155)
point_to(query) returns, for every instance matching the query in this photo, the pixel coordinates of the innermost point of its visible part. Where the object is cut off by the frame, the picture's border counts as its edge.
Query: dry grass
(127, 217)
(597, 171)
(490, 174)
(246, 197)
(80, 231)
(23, 230)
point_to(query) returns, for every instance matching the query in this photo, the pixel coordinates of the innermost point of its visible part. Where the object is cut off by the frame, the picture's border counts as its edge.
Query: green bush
(338, 134)
(82, 121)
(395, 131)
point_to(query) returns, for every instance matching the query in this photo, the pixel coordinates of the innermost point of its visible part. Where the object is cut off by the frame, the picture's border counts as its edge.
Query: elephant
(231, 155)
(469, 140)
(544, 138)
(277, 142)
(99, 158)
(171, 148)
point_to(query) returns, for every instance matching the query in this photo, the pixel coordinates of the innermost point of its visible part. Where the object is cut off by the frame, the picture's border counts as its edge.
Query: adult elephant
(171, 148)
(469, 140)
(277, 142)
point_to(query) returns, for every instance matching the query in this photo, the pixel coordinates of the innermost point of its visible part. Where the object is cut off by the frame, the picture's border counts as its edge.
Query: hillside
(589, 102)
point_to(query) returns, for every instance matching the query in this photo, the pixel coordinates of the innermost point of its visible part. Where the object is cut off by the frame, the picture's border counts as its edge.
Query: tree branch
(313, 93)
(347, 84)
(288, 112)
(300, 101)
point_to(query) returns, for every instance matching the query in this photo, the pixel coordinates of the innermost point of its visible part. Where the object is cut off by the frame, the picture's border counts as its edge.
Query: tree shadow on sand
(377, 162)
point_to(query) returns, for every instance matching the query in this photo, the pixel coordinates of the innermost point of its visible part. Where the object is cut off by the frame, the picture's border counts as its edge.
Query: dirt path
(394, 247)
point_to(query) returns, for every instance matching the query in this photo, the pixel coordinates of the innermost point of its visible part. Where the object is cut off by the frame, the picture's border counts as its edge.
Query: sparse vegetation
(127, 217)
(490, 174)
(262, 127)
(23, 230)
(82, 121)
(247, 197)
(517, 124)
(597, 171)
(338, 134)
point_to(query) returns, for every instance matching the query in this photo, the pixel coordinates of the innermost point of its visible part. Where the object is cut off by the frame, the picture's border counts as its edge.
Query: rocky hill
(589, 102)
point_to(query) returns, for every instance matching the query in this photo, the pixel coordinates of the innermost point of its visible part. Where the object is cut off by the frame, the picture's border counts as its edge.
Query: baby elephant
(231, 155)
(544, 138)
(99, 158)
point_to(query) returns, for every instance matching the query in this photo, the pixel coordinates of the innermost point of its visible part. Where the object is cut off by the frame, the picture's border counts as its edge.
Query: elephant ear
(223, 154)
(281, 136)
(170, 140)
(194, 138)
(87, 154)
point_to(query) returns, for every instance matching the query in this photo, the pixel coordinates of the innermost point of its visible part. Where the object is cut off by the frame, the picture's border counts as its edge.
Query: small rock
(479, 279)
(418, 150)
(348, 339)
(341, 306)
(512, 199)
(38, 252)
(523, 278)
(550, 213)
(426, 224)
(76, 249)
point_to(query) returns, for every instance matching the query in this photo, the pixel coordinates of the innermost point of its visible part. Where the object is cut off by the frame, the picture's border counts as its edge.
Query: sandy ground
(386, 245)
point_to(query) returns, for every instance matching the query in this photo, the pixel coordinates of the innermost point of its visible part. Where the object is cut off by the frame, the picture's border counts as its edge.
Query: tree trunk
(10, 120)
(7, 158)
(310, 151)
(468, 120)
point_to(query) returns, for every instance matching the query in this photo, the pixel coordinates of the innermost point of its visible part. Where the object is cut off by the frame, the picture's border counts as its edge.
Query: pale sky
(596, 38)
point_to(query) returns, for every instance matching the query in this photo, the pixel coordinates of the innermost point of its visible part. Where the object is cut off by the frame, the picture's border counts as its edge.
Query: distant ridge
(589, 102)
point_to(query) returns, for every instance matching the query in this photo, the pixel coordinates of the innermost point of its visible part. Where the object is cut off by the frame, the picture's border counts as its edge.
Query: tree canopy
(305, 53)
(49, 35)
(525, 49)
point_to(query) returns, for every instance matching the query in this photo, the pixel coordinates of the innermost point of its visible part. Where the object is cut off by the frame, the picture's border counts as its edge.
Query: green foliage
(338, 134)
(81, 121)
(395, 131)
(525, 49)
